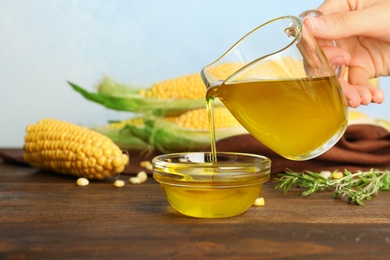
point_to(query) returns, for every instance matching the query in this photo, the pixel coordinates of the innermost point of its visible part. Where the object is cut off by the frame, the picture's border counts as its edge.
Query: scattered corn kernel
(337, 175)
(142, 176)
(259, 202)
(145, 164)
(82, 182)
(326, 174)
(135, 180)
(119, 183)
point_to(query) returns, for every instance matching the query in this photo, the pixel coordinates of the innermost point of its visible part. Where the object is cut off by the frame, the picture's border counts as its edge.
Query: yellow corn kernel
(135, 180)
(195, 119)
(259, 202)
(198, 119)
(82, 182)
(142, 176)
(70, 149)
(184, 87)
(145, 164)
(136, 121)
(118, 184)
(337, 175)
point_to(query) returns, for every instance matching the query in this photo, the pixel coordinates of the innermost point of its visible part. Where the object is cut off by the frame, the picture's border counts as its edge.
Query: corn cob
(184, 93)
(135, 100)
(185, 87)
(136, 121)
(70, 149)
(186, 132)
(190, 127)
(198, 119)
(192, 119)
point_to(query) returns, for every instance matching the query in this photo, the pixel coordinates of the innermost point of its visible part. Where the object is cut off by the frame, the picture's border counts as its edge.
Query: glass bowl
(196, 187)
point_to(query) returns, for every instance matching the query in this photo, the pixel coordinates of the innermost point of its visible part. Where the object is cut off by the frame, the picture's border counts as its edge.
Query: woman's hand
(362, 31)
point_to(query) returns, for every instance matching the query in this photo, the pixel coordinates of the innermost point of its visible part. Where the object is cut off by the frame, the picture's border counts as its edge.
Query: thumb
(337, 25)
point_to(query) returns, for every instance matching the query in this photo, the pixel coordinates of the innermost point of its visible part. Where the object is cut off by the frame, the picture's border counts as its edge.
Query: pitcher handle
(339, 68)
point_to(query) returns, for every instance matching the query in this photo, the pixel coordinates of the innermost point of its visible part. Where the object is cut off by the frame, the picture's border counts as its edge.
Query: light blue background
(44, 43)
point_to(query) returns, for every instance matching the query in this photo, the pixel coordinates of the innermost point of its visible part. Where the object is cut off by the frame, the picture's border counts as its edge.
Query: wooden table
(46, 216)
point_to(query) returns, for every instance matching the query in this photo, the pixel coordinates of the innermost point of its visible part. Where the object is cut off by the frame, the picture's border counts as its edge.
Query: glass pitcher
(279, 85)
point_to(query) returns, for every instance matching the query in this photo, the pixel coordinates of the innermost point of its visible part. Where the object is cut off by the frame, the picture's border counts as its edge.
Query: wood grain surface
(47, 216)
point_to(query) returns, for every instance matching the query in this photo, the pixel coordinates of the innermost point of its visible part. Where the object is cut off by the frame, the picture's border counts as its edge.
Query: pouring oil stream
(210, 94)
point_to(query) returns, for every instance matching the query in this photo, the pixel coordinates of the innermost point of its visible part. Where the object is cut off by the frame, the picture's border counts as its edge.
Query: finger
(333, 6)
(336, 56)
(358, 78)
(351, 94)
(338, 59)
(377, 95)
(364, 93)
(356, 95)
(371, 94)
(339, 25)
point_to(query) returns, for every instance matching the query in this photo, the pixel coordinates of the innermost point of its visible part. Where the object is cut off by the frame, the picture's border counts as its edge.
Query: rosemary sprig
(357, 186)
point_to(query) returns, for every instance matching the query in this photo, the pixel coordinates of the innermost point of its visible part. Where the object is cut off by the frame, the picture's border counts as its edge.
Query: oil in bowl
(198, 186)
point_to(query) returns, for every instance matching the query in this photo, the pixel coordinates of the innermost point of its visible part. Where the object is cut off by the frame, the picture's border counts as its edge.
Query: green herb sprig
(358, 186)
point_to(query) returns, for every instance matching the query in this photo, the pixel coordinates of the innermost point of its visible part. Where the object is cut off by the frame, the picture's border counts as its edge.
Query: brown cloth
(362, 147)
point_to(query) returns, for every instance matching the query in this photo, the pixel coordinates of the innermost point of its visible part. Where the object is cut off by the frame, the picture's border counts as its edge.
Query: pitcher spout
(253, 49)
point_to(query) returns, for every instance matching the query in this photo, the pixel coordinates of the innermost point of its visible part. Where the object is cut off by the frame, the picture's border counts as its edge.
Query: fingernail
(374, 99)
(350, 102)
(316, 23)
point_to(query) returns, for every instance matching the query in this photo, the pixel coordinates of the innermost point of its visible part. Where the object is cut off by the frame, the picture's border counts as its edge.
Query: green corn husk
(167, 137)
(124, 139)
(117, 96)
